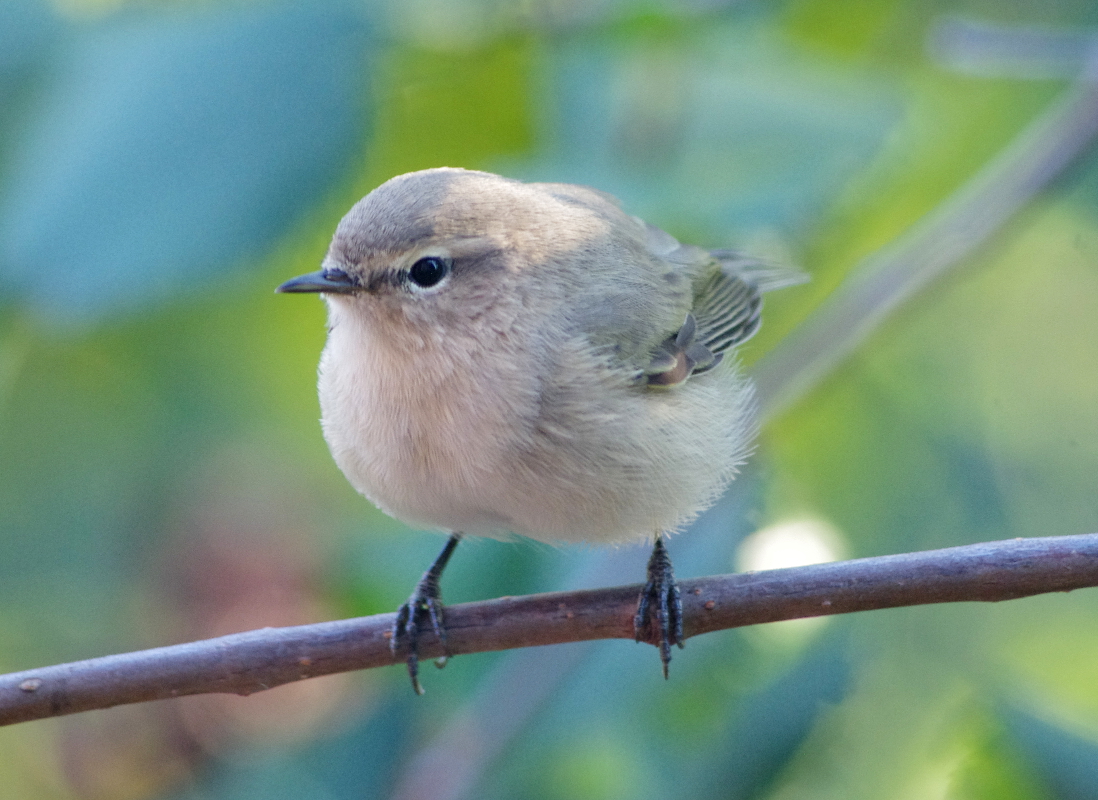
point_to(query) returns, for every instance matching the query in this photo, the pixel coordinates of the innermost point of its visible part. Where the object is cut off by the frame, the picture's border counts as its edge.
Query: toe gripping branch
(660, 599)
(425, 604)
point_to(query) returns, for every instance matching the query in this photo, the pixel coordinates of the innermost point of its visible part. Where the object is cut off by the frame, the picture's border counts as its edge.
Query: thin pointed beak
(328, 281)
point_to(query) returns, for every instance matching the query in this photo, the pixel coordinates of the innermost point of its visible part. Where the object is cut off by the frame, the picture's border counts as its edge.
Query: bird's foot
(424, 606)
(660, 605)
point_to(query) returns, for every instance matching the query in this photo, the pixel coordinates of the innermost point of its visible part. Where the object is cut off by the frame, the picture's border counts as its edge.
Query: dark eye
(428, 271)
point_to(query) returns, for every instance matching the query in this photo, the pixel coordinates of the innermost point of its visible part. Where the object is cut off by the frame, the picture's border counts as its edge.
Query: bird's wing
(727, 309)
(726, 312)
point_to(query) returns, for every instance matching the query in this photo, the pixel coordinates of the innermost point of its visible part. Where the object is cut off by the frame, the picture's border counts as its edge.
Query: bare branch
(952, 231)
(249, 662)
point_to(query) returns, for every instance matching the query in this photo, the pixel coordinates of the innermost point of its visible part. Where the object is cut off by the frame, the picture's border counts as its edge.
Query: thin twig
(245, 663)
(952, 231)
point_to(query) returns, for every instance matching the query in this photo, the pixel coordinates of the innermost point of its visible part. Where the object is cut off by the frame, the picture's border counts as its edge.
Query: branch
(952, 231)
(249, 662)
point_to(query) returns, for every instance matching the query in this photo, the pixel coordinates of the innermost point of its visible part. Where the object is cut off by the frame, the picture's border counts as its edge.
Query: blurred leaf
(1067, 761)
(172, 145)
(26, 30)
(729, 135)
(766, 728)
(453, 109)
(995, 768)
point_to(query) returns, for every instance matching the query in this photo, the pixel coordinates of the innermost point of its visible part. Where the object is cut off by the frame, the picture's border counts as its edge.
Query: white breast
(422, 432)
(460, 437)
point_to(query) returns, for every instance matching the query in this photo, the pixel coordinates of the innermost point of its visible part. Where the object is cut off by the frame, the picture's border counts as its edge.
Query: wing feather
(727, 309)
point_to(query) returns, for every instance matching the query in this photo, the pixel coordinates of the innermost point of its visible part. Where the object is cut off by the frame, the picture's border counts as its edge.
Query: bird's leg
(661, 597)
(425, 602)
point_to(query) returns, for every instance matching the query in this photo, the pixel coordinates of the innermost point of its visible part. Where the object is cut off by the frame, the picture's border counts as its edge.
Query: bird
(508, 358)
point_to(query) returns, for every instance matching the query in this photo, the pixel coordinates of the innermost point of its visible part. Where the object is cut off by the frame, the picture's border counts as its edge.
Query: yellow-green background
(164, 165)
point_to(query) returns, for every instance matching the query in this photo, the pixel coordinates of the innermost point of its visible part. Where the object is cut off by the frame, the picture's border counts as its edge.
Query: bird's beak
(328, 281)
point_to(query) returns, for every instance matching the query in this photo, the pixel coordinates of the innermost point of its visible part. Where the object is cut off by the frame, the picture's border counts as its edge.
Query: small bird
(527, 358)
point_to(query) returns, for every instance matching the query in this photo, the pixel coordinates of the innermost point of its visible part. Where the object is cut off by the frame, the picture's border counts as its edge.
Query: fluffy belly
(590, 458)
(429, 448)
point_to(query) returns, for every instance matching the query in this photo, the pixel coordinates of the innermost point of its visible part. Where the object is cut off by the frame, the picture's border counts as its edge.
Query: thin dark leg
(426, 601)
(661, 597)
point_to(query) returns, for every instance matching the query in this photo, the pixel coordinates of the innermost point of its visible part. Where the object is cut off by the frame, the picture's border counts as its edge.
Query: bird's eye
(429, 271)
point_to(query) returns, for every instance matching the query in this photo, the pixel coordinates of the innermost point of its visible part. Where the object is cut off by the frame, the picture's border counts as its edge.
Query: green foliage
(163, 477)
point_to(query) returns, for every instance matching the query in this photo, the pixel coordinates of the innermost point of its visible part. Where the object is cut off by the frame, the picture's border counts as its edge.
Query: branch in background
(951, 232)
(982, 47)
(245, 663)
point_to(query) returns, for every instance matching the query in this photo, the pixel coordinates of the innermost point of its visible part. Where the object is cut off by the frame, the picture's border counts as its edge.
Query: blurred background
(164, 165)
